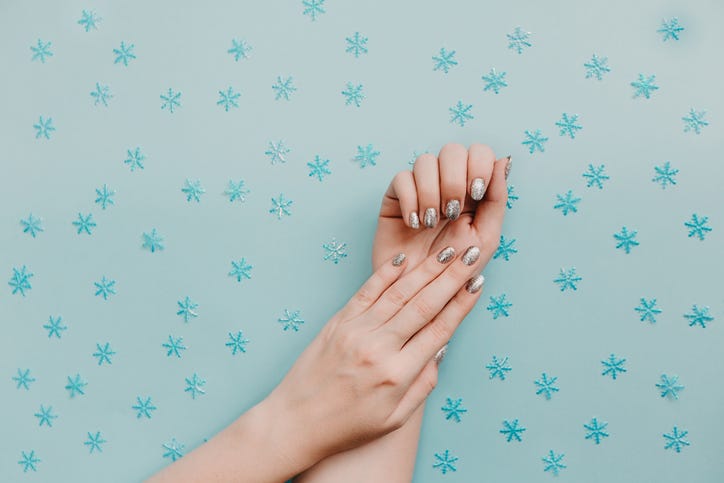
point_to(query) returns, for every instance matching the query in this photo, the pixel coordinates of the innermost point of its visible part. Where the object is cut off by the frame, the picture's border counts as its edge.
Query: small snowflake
(568, 279)
(353, 94)
(518, 40)
(193, 190)
(84, 223)
(94, 442)
(280, 207)
(596, 430)
(644, 86)
(23, 379)
(283, 88)
(32, 225)
(105, 196)
(124, 53)
(228, 98)
(494, 81)
(277, 152)
(319, 168)
(366, 155)
(694, 121)
(174, 346)
(670, 29)
(174, 450)
(698, 316)
(453, 409)
(239, 49)
(546, 385)
(104, 353)
(669, 386)
(648, 310)
(597, 67)
(44, 127)
(144, 407)
(595, 176)
(28, 461)
(356, 45)
(45, 416)
(236, 191)
(237, 343)
(313, 8)
(567, 203)
(665, 175)
(512, 431)
(170, 100)
(291, 320)
(698, 226)
(334, 251)
(499, 368)
(444, 60)
(187, 309)
(568, 126)
(106, 287)
(240, 270)
(535, 141)
(194, 386)
(445, 462)
(460, 113)
(41, 51)
(152, 241)
(135, 159)
(89, 20)
(676, 440)
(101, 95)
(20, 280)
(626, 239)
(505, 249)
(55, 326)
(512, 197)
(613, 366)
(75, 385)
(499, 306)
(553, 462)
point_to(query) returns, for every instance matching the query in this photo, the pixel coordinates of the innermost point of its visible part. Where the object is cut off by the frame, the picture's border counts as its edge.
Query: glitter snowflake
(94, 442)
(445, 462)
(597, 67)
(240, 270)
(568, 126)
(512, 197)
(236, 191)
(124, 54)
(353, 94)
(460, 113)
(41, 51)
(453, 409)
(45, 416)
(596, 430)
(567, 203)
(535, 141)
(670, 29)
(613, 366)
(505, 249)
(174, 450)
(494, 81)
(89, 20)
(237, 343)
(648, 311)
(28, 461)
(319, 168)
(283, 88)
(698, 316)
(675, 439)
(135, 159)
(103, 353)
(694, 121)
(105, 196)
(568, 279)
(356, 45)
(20, 280)
(665, 175)
(32, 225)
(291, 320)
(595, 176)
(669, 386)
(512, 431)
(195, 386)
(144, 407)
(106, 287)
(55, 326)
(277, 152)
(366, 156)
(698, 226)
(644, 86)
(313, 8)
(546, 385)
(152, 241)
(239, 49)
(101, 94)
(171, 100)
(626, 239)
(228, 99)
(518, 40)
(23, 379)
(499, 368)
(187, 309)
(553, 462)
(76, 385)
(193, 190)
(43, 128)
(280, 207)
(499, 306)
(334, 250)
(444, 61)
(174, 346)
(84, 224)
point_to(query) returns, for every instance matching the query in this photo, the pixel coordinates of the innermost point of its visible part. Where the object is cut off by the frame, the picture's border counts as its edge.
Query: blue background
(183, 46)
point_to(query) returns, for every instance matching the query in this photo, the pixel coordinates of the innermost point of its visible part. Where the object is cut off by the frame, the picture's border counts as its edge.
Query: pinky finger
(375, 286)
(404, 187)
(416, 394)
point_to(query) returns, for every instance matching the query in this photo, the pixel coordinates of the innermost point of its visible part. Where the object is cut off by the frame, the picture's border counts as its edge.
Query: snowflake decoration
(94, 442)
(494, 81)
(101, 95)
(237, 343)
(89, 20)
(170, 100)
(239, 49)
(356, 45)
(353, 94)
(174, 346)
(280, 207)
(152, 241)
(236, 191)
(596, 430)
(291, 320)
(568, 279)
(567, 203)
(319, 168)
(460, 113)
(512, 197)
(453, 409)
(644, 86)
(694, 121)
(648, 310)
(32, 225)
(669, 386)
(23, 379)
(45, 416)
(597, 67)
(135, 159)
(499, 306)
(187, 309)
(104, 353)
(41, 51)
(535, 141)
(505, 249)
(55, 326)
(444, 61)
(124, 54)
(28, 461)
(194, 386)
(174, 450)
(512, 431)
(665, 175)
(499, 368)
(106, 287)
(240, 270)
(698, 226)
(518, 40)
(546, 385)
(334, 251)
(313, 8)
(105, 196)
(676, 440)
(277, 152)
(283, 88)
(445, 462)
(43, 128)
(75, 385)
(193, 190)
(20, 280)
(553, 463)
(698, 316)
(366, 155)
(595, 176)
(626, 239)
(568, 126)
(613, 366)
(670, 29)
(144, 407)
(84, 224)
(228, 98)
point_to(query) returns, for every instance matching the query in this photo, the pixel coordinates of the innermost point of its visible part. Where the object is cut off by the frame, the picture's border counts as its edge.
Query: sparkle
(568, 279)
(41, 51)
(453, 409)
(170, 100)
(694, 121)
(28, 461)
(45, 416)
(512, 197)
(124, 54)
(499, 368)
(237, 343)
(144, 407)
(595, 176)
(460, 113)
(236, 191)
(499, 306)
(505, 249)
(104, 353)
(512, 431)
(280, 207)
(597, 67)
(445, 462)
(613, 366)
(194, 386)
(665, 175)
(546, 385)
(353, 94)
(174, 346)
(240, 270)
(20, 280)
(193, 190)
(105, 196)
(89, 20)
(239, 49)
(553, 463)
(669, 386)
(187, 309)
(228, 98)
(444, 61)
(152, 241)
(648, 311)
(291, 320)
(174, 450)
(23, 379)
(567, 203)
(644, 86)
(319, 168)
(494, 81)
(366, 155)
(676, 440)
(75, 385)
(356, 45)
(313, 8)
(135, 159)
(44, 127)
(698, 226)
(670, 29)
(596, 430)
(626, 239)
(94, 442)
(518, 40)
(535, 141)
(101, 94)
(105, 287)
(32, 225)
(55, 326)
(283, 88)
(334, 251)
(84, 223)
(698, 316)
(277, 152)
(568, 126)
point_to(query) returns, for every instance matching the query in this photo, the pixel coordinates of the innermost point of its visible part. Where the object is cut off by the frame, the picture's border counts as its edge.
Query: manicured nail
(440, 355)
(471, 255)
(414, 220)
(508, 165)
(475, 283)
(446, 254)
(452, 209)
(477, 189)
(430, 217)
(399, 258)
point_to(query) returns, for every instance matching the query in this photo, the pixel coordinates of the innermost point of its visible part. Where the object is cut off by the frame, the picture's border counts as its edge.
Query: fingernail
(477, 189)
(414, 220)
(471, 255)
(475, 283)
(452, 209)
(430, 217)
(399, 258)
(508, 165)
(440, 355)
(446, 254)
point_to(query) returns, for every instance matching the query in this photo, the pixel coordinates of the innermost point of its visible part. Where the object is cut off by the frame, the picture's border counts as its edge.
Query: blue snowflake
(676, 440)
(32, 225)
(291, 320)
(124, 54)
(174, 450)
(648, 310)
(568, 279)
(518, 40)
(512, 431)
(45, 416)
(105, 196)
(152, 241)
(568, 126)
(228, 98)
(89, 20)
(283, 88)
(444, 60)
(595, 176)
(698, 316)
(20, 280)
(144, 407)
(280, 207)
(240, 269)
(553, 462)
(101, 94)
(41, 51)
(512, 197)
(356, 45)
(567, 203)
(313, 8)
(366, 155)
(670, 29)
(239, 49)
(694, 121)
(28, 461)
(334, 251)
(665, 175)
(43, 127)
(505, 249)
(698, 226)
(669, 386)
(596, 430)
(546, 385)
(277, 152)
(106, 287)
(613, 366)
(499, 306)
(494, 81)
(237, 343)
(55, 326)
(644, 86)
(174, 346)
(104, 353)
(535, 141)
(194, 386)
(75, 385)
(353, 94)
(626, 239)
(499, 368)
(170, 100)
(236, 191)
(597, 67)
(319, 168)
(187, 309)
(453, 409)
(193, 190)
(94, 442)
(445, 462)
(460, 113)
(135, 159)
(23, 379)
(84, 224)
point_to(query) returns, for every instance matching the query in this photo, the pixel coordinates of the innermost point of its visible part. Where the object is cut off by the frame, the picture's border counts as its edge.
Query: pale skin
(351, 406)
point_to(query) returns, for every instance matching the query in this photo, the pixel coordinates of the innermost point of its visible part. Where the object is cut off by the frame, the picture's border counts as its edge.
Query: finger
(427, 182)
(480, 166)
(452, 165)
(376, 285)
(491, 210)
(418, 391)
(403, 189)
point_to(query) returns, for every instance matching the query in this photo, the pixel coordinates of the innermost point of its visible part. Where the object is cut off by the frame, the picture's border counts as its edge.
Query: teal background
(183, 45)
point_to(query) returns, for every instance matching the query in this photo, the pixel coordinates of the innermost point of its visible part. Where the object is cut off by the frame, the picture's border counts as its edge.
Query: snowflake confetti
(171, 100)
(76, 385)
(366, 156)
(518, 40)
(597, 67)
(23, 379)
(494, 81)
(546, 385)
(193, 190)
(228, 99)
(277, 152)
(698, 316)
(43, 128)
(195, 386)
(665, 175)
(670, 29)
(28, 461)
(319, 168)
(444, 61)
(596, 430)
(313, 8)
(283, 88)
(675, 440)
(595, 176)
(280, 207)
(499, 368)
(568, 279)
(626, 239)
(669, 386)
(239, 49)
(499, 306)
(698, 226)
(460, 113)
(237, 343)
(105, 288)
(41, 51)
(647, 310)
(553, 462)
(291, 320)
(353, 94)
(45, 416)
(236, 191)
(84, 224)
(644, 86)
(55, 326)
(32, 225)
(445, 462)
(124, 54)
(356, 45)
(152, 241)
(512, 431)
(505, 249)
(613, 366)
(568, 126)
(187, 309)
(174, 450)
(453, 409)
(174, 346)
(694, 121)
(512, 197)
(20, 280)
(334, 251)
(135, 159)
(240, 270)
(144, 407)
(94, 442)
(101, 95)
(535, 141)
(105, 196)
(104, 353)
(567, 203)
(89, 20)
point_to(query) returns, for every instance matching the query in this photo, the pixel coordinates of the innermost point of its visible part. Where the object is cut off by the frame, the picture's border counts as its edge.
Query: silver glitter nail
(475, 283)
(508, 165)
(399, 258)
(471, 255)
(440, 355)
(446, 254)
(430, 217)
(477, 189)
(452, 209)
(414, 220)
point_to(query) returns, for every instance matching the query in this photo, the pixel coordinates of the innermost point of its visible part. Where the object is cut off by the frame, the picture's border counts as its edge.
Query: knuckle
(439, 330)
(364, 296)
(395, 297)
(422, 308)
